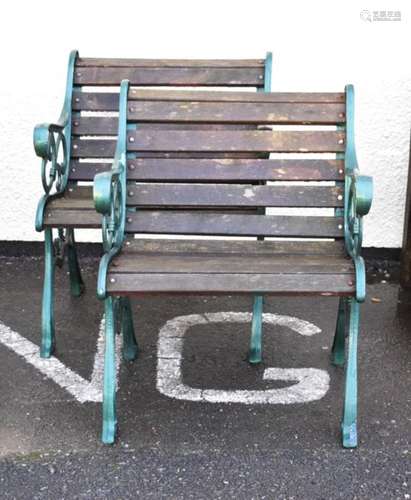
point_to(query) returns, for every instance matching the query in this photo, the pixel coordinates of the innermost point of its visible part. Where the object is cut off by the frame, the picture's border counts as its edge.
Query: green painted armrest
(103, 192)
(363, 185)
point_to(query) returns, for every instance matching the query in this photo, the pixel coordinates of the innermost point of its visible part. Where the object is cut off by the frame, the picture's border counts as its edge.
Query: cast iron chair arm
(359, 194)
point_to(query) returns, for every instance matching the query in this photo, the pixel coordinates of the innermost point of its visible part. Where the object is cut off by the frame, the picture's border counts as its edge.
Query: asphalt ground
(169, 448)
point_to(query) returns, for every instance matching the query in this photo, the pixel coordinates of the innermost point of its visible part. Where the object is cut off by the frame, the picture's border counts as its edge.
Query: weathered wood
(168, 63)
(243, 247)
(108, 101)
(226, 263)
(210, 170)
(223, 195)
(295, 284)
(81, 218)
(235, 112)
(242, 96)
(265, 141)
(108, 125)
(81, 198)
(261, 141)
(170, 76)
(86, 171)
(228, 113)
(197, 223)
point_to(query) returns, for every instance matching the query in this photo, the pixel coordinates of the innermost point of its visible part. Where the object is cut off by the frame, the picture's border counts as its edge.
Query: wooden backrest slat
(212, 170)
(223, 195)
(265, 141)
(215, 113)
(108, 125)
(108, 101)
(171, 76)
(189, 223)
(169, 63)
(240, 141)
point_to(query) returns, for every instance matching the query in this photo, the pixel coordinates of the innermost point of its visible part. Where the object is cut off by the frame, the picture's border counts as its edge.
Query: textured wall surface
(318, 46)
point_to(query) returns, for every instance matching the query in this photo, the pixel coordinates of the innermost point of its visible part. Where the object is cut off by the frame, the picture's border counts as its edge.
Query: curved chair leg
(130, 346)
(349, 422)
(109, 385)
(255, 352)
(338, 348)
(47, 309)
(76, 281)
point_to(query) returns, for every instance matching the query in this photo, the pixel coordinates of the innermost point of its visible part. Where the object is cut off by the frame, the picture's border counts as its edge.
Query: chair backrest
(96, 87)
(175, 192)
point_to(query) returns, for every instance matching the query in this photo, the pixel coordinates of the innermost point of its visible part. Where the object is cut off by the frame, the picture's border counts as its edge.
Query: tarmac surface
(170, 448)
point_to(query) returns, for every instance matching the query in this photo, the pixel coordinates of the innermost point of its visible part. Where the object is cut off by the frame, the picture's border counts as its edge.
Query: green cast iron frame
(109, 196)
(109, 189)
(52, 143)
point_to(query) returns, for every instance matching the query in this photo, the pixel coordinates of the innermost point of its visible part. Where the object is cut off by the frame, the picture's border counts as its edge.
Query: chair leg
(338, 348)
(130, 346)
(255, 352)
(109, 385)
(76, 281)
(47, 309)
(349, 421)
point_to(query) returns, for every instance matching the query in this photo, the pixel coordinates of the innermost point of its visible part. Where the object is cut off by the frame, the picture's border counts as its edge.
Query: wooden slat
(108, 125)
(105, 150)
(168, 63)
(87, 219)
(164, 76)
(194, 247)
(150, 169)
(242, 96)
(95, 101)
(81, 198)
(108, 101)
(222, 263)
(261, 141)
(235, 112)
(168, 222)
(211, 113)
(240, 141)
(223, 195)
(293, 284)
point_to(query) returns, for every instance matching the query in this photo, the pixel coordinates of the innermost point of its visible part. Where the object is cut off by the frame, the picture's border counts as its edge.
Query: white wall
(317, 46)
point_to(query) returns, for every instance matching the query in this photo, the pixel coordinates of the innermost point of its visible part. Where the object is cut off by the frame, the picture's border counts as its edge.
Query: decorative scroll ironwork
(358, 199)
(110, 196)
(52, 143)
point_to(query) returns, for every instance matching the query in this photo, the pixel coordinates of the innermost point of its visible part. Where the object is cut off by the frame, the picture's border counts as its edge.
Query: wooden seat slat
(256, 248)
(267, 284)
(83, 218)
(222, 263)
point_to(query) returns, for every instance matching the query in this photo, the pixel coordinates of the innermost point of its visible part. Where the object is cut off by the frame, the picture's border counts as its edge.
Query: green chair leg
(47, 309)
(338, 348)
(109, 385)
(130, 346)
(349, 422)
(76, 281)
(255, 353)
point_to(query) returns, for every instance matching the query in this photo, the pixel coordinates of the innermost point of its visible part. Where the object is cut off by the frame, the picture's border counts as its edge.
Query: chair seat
(221, 266)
